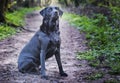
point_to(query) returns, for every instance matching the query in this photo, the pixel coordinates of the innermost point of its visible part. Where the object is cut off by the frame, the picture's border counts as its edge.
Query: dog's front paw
(44, 77)
(64, 74)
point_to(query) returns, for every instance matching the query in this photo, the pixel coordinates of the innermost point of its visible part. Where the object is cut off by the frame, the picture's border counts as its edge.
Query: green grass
(17, 18)
(103, 40)
(111, 81)
(88, 55)
(6, 31)
(94, 76)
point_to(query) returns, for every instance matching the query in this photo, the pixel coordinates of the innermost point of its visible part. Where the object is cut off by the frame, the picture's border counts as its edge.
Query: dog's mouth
(55, 16)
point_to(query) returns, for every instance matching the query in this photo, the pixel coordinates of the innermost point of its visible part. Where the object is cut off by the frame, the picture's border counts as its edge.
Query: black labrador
(44, 44)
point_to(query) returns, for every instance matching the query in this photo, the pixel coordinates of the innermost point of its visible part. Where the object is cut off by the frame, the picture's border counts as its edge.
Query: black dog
(44, 44)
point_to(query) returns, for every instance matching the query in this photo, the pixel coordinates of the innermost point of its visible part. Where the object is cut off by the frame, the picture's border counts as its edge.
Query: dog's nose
(56, 13)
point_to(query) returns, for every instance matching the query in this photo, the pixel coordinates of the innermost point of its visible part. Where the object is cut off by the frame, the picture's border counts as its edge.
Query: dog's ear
(60, 11)
(43, 12)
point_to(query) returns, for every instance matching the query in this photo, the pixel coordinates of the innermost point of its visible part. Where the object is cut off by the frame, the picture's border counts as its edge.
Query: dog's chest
(54, 42)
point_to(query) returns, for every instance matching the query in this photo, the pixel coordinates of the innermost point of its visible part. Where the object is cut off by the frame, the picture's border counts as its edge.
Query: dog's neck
(49, 25)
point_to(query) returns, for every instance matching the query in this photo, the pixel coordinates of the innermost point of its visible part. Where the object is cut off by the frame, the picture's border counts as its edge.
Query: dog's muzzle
(55, 15)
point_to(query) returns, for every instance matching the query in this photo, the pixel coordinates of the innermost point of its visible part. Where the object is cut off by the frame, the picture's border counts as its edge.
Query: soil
(72, 42)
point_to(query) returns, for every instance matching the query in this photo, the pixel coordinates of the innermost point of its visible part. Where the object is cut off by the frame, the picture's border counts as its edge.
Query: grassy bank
(16, 18)
(6, 31)
(103, 41)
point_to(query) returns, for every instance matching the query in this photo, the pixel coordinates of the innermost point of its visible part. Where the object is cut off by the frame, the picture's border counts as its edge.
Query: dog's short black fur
(44, 44)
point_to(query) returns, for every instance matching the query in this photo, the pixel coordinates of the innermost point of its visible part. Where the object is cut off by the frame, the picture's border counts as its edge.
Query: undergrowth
(6, 31)
(94, 76)
(103, 40)
(16, 18)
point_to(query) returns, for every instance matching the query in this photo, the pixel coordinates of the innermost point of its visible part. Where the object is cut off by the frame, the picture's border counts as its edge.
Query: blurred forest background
(98, 19)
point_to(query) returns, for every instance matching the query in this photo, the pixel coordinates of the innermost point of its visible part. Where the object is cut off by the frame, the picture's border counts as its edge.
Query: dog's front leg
(44, 44)
(58, 59)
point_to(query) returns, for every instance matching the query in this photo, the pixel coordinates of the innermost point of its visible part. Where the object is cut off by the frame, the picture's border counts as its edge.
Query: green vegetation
(103, 40)
(94, 76)
(115, 16)
(6, 31)
(16, 18)
(112, 81)
(109, 8)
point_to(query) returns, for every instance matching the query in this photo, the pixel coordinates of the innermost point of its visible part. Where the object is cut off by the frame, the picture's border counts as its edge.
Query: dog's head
(51, 12)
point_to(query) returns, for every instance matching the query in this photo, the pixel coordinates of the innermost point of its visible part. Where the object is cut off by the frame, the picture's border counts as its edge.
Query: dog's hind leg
(27, 67)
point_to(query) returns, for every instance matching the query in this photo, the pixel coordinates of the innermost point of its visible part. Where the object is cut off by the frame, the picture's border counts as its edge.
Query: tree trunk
(66, 3)
(3, 8)
(29, 3)
(19, 2)
(76, 2)
(32, 3)
(39, 3)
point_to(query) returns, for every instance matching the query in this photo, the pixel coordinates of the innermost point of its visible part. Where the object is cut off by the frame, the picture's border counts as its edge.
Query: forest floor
(72, 42)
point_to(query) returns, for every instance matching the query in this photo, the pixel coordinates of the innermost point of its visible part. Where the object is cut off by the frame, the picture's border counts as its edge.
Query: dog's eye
(50, 9)
(56, 8)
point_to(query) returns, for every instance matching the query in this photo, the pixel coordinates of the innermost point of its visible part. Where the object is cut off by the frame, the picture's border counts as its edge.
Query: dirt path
(72, 41)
